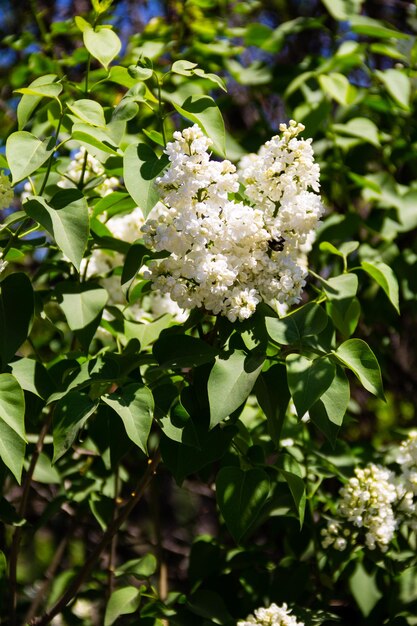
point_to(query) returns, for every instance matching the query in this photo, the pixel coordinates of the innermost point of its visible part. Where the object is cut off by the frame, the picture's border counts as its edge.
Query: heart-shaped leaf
(240, 496)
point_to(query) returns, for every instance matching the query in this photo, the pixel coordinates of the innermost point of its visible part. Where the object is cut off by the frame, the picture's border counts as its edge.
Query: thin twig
(85, 571)
(49, 575)
(51, 158)
(113, 542)
(163, 570)
(14, 550)
(14, 237)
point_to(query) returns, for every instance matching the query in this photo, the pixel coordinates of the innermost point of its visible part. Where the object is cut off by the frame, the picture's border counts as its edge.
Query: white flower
(6, 191)
(229, 255)
(102, 264)
(272, 616)
(407, 460)
(367, 502)
(126, 226)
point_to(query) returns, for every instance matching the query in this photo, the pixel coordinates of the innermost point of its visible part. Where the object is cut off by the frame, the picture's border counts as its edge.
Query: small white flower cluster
(226, 253)
(94, 172)
(272, 616)
(367, 503)
(6, 191)
(407, 460)
(376, 502)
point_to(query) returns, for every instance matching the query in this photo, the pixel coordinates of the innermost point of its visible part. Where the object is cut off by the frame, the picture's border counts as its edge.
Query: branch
(84, 572)
(14, 550)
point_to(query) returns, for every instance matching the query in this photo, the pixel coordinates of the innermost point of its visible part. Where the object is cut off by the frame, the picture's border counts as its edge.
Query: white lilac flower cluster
(94, 172)
(407, 460)
(6, 191)
(375, 502)
(272, 616)
(367, 502)
(228, 252)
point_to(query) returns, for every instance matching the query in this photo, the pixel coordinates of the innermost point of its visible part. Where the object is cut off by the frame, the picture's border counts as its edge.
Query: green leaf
(290, 470)
(12, 424)
(214, 445)
(26, 153)
(140, 73)
(146, 334)
(114, 203)
(95, 139)
(308, 380)
(213, 78)
(385, 49)
(82, 303)
(341, 287)
(28, 103)
(342, 306)
(328, 412)
(178, 351)
(133, 263)
(139, 568)
(82, 24)
(126, 110)
(337, 87)
(51, 90)
(364, 182)
(240, 496)
(44, 471)
(210, 605)
(364, 25)
(32, 376)
(184, 68)
(178, 425)
(306, 321)
(336, 8)
(88, 111)
(122, 602)
(134, 404)
(359, 127)
(356, 355)
(273, 395)
(385, 277)
(230, 382)
(364, 589)
(346, 248)
(257, 73)
(398, 85)
(66, 220)
(120, 76)
(16, 312)
(70, 415)
(101, 6)
(202, 110)
(103, 44)
(140, 168)
(154, 136)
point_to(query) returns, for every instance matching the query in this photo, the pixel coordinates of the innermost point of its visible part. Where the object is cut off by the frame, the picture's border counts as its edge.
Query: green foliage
(241, 431)
(12, 425)
(25, 153)
(140, 168)
(240, 496)
(66, 220)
